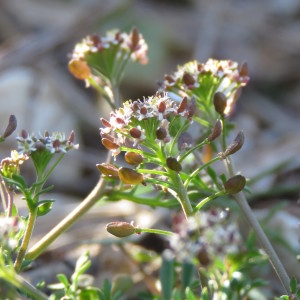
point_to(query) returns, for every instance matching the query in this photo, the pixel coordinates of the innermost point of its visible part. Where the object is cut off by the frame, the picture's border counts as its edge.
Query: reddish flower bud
(188, 79)
(235, 184)
(133, 158)
(173, 164)
(220, 102)
(130, 176)
(182, 105)
(120, 229)
(243, 70)
(135, 133)
(162, 107)
(105, 123)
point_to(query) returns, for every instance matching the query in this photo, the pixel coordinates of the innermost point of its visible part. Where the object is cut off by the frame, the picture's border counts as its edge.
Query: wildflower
(204, 80)
(11, 165)
(106, 56)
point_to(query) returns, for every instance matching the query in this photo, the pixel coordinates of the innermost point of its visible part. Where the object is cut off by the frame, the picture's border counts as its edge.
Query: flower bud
(220, 102)
(235, 145)
(188, 79)
(173, 164)
(120, 229)
(130, 176)
(243, 70)
(182, 105)
(217, 130)
(105, 123)
(108, 170)
(135, 133)
(235, 184)
(135, 38)
(133, 158)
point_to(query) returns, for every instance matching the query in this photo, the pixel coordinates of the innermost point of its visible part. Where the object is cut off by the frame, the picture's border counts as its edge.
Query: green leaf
(44, 207)
(167, 276)
(188, 270)
(293, 285)
(63, 279)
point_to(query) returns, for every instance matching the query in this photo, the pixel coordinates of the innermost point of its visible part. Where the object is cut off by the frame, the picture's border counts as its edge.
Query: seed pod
(108, 170)
(235, 184)
(173, 164)
(109, 145)
(220, 102)
(79, 69)
(235, 145)
(130, 176)
(217, 130)
(11, 126)
(161, 133)
(133, 158)
(120, 229)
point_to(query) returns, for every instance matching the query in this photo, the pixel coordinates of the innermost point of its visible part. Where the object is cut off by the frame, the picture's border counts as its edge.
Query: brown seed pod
(109, 145)
(220, 102)
(188, 79)
(173, 164)
(235, 145)
(108, 170)
(120, 229)
(135, 133)
(235, 184)
(79, 69)
(217, 130)
(130, 176)
(161, 133)
(133, 158)
(182, 105)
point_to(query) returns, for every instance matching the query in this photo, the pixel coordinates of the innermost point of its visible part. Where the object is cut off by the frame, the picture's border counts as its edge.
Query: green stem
(28, 232)
(181, 194)
(157, 231)
(207, 199)
(68, 221)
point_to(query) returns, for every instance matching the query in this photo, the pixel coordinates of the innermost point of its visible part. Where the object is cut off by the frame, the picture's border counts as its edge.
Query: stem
(182, 195)
(68, 221)
(253, 222)
(157, 231)
(207, 199)
(26, 239)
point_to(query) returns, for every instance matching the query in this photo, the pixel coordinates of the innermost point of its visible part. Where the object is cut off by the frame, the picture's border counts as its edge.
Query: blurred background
(36, 37)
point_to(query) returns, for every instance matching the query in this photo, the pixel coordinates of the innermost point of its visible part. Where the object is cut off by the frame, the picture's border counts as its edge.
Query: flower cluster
(204, 80)
(218, 237)
(106, 55)
(11, 165)
(55, 143)
(144, 123)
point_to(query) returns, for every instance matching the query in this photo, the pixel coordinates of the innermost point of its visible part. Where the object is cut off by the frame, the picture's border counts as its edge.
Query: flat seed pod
(130, 176)
(108, 170)
(173, 164)
(133, 158)
(108, 144)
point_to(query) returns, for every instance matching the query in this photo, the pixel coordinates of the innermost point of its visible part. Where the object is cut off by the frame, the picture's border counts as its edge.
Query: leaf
(293, 285)
(44, 207)
(167, 276)
(63, 279)
(188, 270)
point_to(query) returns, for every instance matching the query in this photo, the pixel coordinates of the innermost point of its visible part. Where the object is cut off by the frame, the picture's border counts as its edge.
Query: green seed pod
(220, 102)
(133, 158)
(173, 164)
(235, 184)
(130, 176)
(120, 229)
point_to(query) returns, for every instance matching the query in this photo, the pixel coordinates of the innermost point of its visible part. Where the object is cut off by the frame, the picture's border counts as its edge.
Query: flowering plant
(171, 143)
